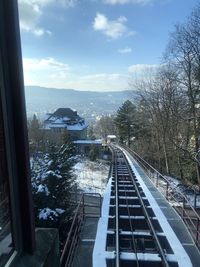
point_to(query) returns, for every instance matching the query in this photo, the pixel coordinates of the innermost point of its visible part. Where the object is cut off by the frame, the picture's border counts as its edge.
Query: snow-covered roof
(49, 126)
(77, 127)
(111, 136)
(65, 118)
(89, 142)
(65, 112)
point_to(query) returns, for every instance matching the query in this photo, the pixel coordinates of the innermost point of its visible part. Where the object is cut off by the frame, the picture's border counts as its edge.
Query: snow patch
(43, 189)
(60, 211)
(48, 213)
(52, 173)
(91, 176)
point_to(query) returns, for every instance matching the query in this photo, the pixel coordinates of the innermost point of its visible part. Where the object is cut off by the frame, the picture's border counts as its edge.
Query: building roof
(67, 113)
(65, 118)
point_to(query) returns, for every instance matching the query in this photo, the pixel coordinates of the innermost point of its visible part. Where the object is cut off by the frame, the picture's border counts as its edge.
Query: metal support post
(195, 199)
(83, 203)
(183, 211)
(197, 232)
(157, 176)
(167, 191)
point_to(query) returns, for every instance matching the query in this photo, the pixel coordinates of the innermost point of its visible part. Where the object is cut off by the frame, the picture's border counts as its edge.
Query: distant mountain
(89, 104)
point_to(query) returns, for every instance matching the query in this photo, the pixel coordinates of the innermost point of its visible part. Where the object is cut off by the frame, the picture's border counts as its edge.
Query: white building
(65, 119)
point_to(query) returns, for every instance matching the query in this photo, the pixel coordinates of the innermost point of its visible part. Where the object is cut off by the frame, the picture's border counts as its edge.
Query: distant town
(91, 105)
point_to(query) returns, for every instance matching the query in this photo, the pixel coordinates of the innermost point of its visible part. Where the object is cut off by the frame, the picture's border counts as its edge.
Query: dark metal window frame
(15, 126)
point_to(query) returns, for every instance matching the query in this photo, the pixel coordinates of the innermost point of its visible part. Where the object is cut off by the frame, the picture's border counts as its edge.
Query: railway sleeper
(143, 259)
(135, 223)
(132, 210)
(139, 242)
(128, 201)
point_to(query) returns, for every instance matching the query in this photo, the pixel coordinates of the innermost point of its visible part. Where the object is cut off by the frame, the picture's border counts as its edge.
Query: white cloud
(141, 72)
(44, 71)
(111, 28)
(141, 68)
(125, 50)
(38, 31)
(44, 64)
(49, 72)
(67, 3)
(122, 2)
(102, 77)
(30, 12)
(29, 15)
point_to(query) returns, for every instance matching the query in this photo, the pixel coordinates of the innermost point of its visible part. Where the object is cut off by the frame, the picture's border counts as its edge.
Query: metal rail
(119, 154)
(117, 251)
(178, 200)
(157, 242)
(132, 230)
(75, 229)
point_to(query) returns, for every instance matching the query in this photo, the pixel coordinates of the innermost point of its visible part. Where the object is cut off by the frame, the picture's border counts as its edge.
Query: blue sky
(95, 45)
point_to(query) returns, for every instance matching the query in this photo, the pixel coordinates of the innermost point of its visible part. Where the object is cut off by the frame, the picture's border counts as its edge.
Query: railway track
(136, 229)
(134, 234)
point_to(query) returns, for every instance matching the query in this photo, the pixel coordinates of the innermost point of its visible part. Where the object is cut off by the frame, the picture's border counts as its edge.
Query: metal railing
(74, 233)
(176, 198)
(117, 238)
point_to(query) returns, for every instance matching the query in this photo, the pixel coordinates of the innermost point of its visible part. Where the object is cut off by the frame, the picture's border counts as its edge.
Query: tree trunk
(159, 151)
(196, 143)
(198, 172)
(166, 157)
(180, 168)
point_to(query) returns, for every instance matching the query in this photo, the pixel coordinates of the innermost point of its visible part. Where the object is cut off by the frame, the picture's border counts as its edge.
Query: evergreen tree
(105, 126)
(52, 181)
(34, 130)
(37, 138)
(94, 153)
(126, 122)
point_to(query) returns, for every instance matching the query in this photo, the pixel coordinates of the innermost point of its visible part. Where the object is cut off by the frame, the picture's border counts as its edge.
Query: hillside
(89, 104)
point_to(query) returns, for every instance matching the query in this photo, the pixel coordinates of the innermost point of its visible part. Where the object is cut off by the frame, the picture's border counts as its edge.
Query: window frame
(15, 131)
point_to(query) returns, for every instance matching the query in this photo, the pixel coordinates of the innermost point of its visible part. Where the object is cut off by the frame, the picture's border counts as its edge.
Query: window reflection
(5, 222)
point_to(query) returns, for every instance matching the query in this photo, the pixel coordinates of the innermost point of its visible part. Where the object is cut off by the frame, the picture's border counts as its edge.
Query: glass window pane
(5, 222)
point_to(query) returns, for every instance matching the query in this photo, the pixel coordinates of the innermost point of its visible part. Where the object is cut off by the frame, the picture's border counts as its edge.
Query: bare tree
(183, 53)
(169, 103)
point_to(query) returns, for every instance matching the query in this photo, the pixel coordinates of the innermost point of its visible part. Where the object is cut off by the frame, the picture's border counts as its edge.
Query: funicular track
(134, 233)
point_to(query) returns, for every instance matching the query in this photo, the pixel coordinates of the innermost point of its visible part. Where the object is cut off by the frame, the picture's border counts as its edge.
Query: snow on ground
(177, 189)
(43, 189)
(48, 213)
(91, 176)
